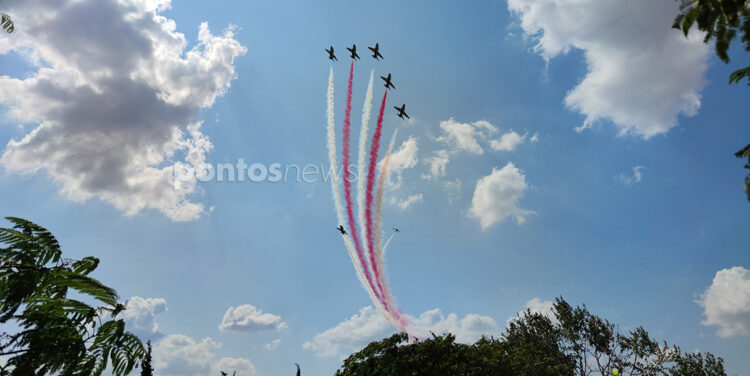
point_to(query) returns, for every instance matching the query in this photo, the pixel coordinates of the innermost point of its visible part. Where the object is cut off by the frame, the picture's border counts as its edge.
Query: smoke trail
(335, 180)
(368, 193)
(348, 187)
(385, 246)
(362, 160)
(379, 262)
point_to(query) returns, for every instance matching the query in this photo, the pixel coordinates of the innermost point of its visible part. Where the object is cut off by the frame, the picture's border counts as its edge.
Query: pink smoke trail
(368, 194)
(348, 187)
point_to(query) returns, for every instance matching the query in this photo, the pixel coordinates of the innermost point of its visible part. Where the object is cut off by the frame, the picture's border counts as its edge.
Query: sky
(545, 156)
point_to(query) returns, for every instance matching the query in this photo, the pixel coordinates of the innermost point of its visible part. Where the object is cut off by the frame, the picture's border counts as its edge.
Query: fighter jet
(331, 55)
(401, 111)
(375, 52)
(395, 229)
(353, 51)
(341, 228)
(387, 81)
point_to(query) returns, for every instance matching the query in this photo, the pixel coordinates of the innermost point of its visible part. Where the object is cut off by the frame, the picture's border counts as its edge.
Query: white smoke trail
(335, 183)
(363, 161)
(385, 246)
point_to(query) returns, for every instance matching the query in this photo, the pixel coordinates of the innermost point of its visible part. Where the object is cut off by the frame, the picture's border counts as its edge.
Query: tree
(6, 22)
(146, 369)
(722, 21)
(58, 334)
(573, 342)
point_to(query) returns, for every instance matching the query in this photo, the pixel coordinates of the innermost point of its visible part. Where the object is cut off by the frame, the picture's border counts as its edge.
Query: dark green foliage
(722, 21)
(575, 342)
(146, 369)
(697, 365)
(745, 153)
(58, 334)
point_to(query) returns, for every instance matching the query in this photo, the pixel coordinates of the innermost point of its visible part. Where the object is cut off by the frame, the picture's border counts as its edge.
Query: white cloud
(454, 189)
(726, 302)
(407, 202)
(273, 345)
(231, 365)
(496, 197)
(114, 102)
(641, 73)
(351, 334)
(508, 141)
(437, 163)
(465, 136)
(247, 318)
(180, 355)
(632, 179)
(140, 316)
(535, 137)
(403, 158)
(536, 305)
(368, 325)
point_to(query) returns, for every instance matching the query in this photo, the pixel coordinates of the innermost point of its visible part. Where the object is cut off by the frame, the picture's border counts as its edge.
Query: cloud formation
(641, 74)
(368, 325)
(115, 101)
(407, 202)
(726, 303)
(403, 158)
(631, 179)
(508, 141)
(497, 195)
(247, 318)
(465, 136)
(140, 316)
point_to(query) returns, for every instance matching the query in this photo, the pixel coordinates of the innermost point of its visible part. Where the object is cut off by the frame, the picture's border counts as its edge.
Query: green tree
(57, 334)
(574, 342)
(722, 21)
(146, 369)
(6, 22)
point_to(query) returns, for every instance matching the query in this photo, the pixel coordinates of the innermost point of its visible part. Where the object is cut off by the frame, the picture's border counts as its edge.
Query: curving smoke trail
(368, 194)
(335, 184)
(348, 190)
(362, 159)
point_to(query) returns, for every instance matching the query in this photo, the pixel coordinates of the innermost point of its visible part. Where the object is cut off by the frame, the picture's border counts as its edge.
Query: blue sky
(638, 249)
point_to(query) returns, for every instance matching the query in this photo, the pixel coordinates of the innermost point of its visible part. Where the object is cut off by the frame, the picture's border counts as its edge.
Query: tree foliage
(574, 342)
(146, 369)
(6, 22)
(722, 21)
(57, 333)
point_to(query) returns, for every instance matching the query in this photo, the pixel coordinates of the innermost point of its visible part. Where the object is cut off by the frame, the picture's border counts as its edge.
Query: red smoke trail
(348, 186)
(368, 195)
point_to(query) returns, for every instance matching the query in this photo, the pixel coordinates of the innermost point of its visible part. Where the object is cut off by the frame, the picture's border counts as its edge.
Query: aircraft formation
(377, 56)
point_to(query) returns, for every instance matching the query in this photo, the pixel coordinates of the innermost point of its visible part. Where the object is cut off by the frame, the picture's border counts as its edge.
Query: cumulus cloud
(465, 136)
(535, 137)
(247, 318)
(641, 73)
(437, 164)
(369, 325)
(726, 303)
(140, 316)
(536, 305)
(407, 202)
(273, 344)
(508, 141)
(114, 100)
(180, 355)
(636, 177)
(403, 158)
(232, 365)
(496, 197)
